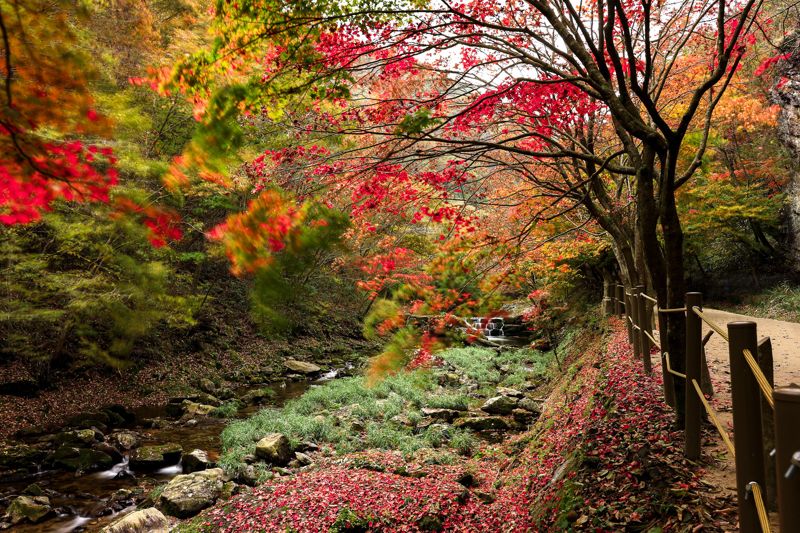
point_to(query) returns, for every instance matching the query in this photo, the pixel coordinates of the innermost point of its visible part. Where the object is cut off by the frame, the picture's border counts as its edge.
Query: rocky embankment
(113, 459)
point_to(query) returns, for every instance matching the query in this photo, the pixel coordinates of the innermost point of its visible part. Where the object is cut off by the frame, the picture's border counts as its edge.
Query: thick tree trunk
(675, 280)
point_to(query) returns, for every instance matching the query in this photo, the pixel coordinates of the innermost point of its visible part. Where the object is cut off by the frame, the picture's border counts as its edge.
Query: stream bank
(601, 456)
(102, 464)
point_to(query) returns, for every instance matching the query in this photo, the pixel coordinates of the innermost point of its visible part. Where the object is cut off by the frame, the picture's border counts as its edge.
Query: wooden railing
(766, 421)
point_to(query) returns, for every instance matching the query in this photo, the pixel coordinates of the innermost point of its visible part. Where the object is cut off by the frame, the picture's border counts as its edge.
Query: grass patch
(781, 302)
(227, 409)
(326, 414)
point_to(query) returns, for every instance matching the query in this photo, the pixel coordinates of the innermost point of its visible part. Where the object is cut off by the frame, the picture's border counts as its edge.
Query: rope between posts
(669, 367)
(761, 509)
(637, 327)
(710, 323)
(630, 320)
(761, 379)
(655, 343)
(649, 298)
(712, 414)
(671, 310)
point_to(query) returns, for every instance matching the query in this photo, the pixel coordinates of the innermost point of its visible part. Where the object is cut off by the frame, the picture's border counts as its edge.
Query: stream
(89, 498)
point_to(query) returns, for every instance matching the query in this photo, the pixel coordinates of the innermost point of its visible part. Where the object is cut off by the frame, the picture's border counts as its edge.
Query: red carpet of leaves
(632, 476)
(602, 458)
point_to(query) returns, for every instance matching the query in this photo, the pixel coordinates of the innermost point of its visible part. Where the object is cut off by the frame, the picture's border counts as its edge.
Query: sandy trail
(785, 337)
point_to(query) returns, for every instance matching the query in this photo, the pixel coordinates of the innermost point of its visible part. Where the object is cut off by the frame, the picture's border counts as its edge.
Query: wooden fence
(766, 421)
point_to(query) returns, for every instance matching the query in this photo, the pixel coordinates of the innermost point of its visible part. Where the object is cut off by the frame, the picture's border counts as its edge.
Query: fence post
(637, 333)
(619, 301)
(608, 299)
(768, 422)
(694, 340)
(628, 312)
(669, 386)
(644, 324)
(746, 421)
(787, 444)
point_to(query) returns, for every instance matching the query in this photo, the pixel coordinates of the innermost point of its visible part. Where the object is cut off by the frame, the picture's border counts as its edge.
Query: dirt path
(785, 338)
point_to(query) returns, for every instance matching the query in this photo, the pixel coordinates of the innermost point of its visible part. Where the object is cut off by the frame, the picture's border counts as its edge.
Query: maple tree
(589, 105)
(40, 159)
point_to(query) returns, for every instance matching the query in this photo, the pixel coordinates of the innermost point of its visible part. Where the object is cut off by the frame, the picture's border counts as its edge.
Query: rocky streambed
(102, 464)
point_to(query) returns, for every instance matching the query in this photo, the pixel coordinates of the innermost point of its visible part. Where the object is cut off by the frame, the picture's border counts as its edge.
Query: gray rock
(441, 414)
(248, 476)
(195, 461)
(229, 489)
(155, 457)
(301, 366)
(34, 489)
(303, 459)
(307, 446)
(109, 450)
(256, 396)
(21, 456)
(188, 494)
(522, 416)
(80, 459)
(126, 440)
(505, 391)
(207, 399)
(482, 423)
(274, 448)
(149, 520)
(207, 386)
(530, 405)
(192, 409)
(499, 405)
(29, 508)
(79, 437)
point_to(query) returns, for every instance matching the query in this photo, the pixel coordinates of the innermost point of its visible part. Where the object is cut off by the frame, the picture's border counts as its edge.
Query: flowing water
(88, 497)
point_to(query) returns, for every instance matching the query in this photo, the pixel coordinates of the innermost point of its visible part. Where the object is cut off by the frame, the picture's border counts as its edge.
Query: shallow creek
(87, 496)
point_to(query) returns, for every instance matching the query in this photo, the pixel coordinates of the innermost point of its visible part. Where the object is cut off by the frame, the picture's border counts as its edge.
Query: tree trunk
(675, 280)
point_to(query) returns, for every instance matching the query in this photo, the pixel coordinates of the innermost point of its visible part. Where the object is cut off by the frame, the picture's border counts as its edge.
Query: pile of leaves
(631, 474)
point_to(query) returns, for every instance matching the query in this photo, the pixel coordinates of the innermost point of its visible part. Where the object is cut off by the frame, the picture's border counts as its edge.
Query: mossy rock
(29, 508)
(21, 457)
(80, 459)
(155, 457)
(76, 438)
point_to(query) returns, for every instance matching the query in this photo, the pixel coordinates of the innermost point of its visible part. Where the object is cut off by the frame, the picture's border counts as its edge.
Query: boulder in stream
(149, 520)
(188, 494)
(301, 367)
(195, 461)
(126, 440)
(80, 459)
(79, 437)
(20, 457)
(29, 508)
(192, 409)
(155, 457)
(274, 448)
